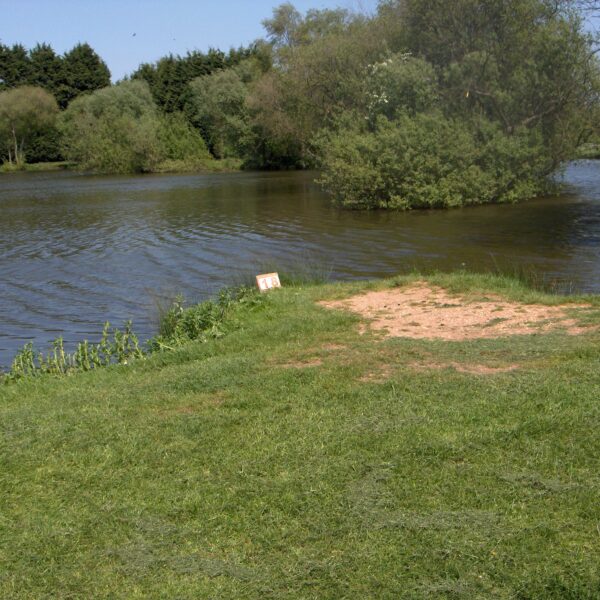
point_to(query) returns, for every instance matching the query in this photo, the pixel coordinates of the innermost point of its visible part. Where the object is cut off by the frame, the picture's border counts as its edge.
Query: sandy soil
(421, 311)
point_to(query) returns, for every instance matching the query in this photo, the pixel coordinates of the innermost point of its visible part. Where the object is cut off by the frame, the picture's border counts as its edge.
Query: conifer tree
(83, 71)
(46, 68)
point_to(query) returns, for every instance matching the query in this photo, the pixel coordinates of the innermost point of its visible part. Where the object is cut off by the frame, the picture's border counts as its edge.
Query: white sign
(268, 281)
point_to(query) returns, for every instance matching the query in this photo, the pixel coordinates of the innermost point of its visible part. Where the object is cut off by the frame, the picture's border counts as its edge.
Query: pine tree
(15, 66)
(83, 71)
(46, 68)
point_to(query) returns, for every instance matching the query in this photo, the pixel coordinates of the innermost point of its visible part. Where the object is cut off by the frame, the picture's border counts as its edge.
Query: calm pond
(77, 250)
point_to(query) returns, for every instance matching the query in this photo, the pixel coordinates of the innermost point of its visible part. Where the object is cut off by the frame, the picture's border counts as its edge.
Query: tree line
(425, 103)
(76, 72)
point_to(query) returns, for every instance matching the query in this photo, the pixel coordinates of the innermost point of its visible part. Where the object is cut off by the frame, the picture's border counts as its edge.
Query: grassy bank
(169, 166)
(292, 457)
(37, 167)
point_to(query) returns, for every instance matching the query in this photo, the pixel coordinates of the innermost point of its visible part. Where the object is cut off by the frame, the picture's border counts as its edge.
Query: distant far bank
(589, 151)
(169, 166)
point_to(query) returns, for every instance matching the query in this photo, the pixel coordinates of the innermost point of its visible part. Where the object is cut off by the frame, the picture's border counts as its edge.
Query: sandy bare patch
(421, 311)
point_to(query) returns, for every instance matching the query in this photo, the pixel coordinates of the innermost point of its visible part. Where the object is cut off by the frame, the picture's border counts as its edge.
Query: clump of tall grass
(178, 325)
(534, 279)
(115, 347)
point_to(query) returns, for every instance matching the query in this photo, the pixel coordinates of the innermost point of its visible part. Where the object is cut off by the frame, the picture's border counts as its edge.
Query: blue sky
(160, 26)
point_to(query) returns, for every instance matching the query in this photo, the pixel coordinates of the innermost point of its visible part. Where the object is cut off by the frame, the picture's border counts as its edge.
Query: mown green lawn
(294, 458)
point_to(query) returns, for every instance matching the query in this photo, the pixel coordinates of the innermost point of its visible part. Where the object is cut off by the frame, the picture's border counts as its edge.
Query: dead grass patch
(384, 372)
(333, 347)
(379, 375)
(301, 364)
(422, 311)
(196, 404)
(473, 369)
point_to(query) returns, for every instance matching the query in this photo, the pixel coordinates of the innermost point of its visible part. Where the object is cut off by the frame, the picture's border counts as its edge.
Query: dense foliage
(26, 114)
(422, 104)
(119, 129)
(482, 103)
(38, 80)
(217, 107)
(169, 77)
(430, 161)
(114, 129)
(78, 71)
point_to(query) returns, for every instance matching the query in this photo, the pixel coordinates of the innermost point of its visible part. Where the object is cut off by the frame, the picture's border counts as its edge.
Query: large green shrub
(430, 161)
(217, 106)
(179, 140)
(27, 118)
(114, 130)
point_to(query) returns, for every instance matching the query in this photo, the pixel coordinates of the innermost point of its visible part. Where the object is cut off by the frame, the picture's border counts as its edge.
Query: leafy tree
(283, 27)
(83, 72)
(179, 140)
(482, 101)
(520, 62)
(217, 106)
(288, 28)
(116, 130)
(25, 112)
(320, 61)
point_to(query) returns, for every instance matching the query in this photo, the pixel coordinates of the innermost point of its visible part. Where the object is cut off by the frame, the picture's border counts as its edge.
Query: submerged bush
(430, 161)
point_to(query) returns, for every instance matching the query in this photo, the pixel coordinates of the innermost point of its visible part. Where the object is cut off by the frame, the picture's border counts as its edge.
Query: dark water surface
(77, 250)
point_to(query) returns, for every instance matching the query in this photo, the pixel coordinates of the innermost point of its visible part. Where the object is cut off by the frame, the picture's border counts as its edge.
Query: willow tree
(320, 60)
(115, 129)
(217, 106)
(25, 113)
(507, 91)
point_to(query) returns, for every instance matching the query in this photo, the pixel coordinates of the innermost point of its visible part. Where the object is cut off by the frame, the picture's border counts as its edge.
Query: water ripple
(76, 250)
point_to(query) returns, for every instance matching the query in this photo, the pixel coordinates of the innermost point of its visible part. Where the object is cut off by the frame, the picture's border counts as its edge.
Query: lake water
(77, 250)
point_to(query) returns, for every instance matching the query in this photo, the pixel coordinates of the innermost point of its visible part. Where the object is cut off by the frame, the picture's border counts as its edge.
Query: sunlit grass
(294, 458)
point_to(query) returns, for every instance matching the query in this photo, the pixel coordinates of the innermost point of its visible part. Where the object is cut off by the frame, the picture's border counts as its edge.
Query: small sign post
(268, 281)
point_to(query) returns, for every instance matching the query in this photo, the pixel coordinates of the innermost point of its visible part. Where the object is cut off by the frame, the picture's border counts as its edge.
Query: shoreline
(171, 166)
